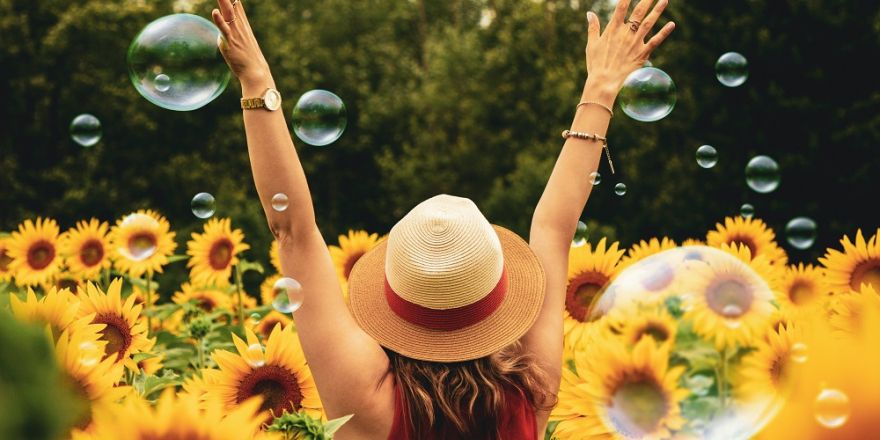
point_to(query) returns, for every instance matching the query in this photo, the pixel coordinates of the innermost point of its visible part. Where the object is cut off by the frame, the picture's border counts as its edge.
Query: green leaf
(245, 265)
(138, 357)
(332, 426)
(148, 385)
(176, 258)
(551, 427)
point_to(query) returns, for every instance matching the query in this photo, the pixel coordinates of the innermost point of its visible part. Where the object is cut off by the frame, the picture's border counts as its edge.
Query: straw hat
(447, 285)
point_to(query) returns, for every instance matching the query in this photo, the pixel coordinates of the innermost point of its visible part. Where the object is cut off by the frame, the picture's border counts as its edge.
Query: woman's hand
(614, 54)
(240, 47)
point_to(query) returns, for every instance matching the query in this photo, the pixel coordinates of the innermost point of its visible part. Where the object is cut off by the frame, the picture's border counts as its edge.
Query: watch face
(272, 99)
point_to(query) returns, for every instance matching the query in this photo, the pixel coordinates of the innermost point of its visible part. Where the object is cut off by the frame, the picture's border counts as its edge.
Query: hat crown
(443, 254)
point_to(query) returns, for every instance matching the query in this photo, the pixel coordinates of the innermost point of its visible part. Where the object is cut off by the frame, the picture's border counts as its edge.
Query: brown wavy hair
(466, 398)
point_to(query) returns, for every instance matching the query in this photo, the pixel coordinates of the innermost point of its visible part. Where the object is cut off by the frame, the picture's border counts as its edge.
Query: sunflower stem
(200, 348)
(106, 279)
(722, 380)
(238, 289)
(148, 301)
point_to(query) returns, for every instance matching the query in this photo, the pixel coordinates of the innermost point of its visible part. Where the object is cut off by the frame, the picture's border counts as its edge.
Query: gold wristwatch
(271, 100)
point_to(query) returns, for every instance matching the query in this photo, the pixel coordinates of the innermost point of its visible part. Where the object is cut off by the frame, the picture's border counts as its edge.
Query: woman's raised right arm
(346, 363)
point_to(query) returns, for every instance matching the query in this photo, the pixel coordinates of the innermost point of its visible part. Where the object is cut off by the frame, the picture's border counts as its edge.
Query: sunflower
(141, 243)
(91, 378)
(643, 249)
(803, 289)
(267, 289)
(766, 372)
(152, 365)
(5, 260)
(278, 373)
(197, 384)
(208, 299)
(858, 264)
(59, 309)
(265, 325)
(635, 323)
(589, 272)
(34, 252)
(85, 249)
(273, 256)
(64, 280)
(693, 242)
(619, 393)
(752, 232)
(174, 417)
(351, 248)
(770, 273)
(730, 303)
(125, 333)
(214, 252)
(846, 313)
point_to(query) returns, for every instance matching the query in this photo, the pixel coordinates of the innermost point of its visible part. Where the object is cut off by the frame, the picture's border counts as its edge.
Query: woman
(455, 327)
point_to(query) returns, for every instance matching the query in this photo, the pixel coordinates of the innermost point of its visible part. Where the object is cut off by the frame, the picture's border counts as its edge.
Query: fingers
(217, 16)
(652, 18)
(619, 13)
(226, 10)
(593, 29)
(640, 10)
(657, 39)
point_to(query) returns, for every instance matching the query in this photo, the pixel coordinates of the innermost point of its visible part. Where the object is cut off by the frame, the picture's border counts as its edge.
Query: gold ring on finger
(634, 25)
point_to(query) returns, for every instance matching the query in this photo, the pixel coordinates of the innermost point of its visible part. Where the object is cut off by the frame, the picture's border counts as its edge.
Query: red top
(517, 423)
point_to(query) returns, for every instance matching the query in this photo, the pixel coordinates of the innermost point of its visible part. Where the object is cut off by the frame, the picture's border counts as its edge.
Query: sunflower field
(216, 361)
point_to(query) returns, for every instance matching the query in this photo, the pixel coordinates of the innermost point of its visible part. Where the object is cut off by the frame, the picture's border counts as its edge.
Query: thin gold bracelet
(591, 137)
(608, 109)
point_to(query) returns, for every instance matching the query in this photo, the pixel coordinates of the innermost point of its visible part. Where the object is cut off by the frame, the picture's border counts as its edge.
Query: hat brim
(513, 318)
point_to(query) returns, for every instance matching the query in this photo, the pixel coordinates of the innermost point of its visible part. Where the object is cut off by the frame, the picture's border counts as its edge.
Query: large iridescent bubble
(175, 62)
(686, 342)
(648, 95)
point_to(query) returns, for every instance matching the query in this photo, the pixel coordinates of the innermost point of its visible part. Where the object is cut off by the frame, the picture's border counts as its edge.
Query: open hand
(240, 47)
(614, 54)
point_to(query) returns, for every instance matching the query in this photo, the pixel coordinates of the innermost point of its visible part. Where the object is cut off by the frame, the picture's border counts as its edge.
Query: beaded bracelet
(591, 137)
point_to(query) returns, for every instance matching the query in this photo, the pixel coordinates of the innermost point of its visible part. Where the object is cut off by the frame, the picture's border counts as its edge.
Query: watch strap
(252, 103)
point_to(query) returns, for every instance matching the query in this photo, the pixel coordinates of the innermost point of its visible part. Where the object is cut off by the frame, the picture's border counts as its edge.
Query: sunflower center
(221, 254)
(116, 333)
(802, 292)
(729, 298)
(278, 387)
(67, 283)
(746, 241)
(91, 253)
(655, 330)
(142, 245)
(637, 408)
(206, 304)
(266, 326)
(868, 272)
(5, 259)
(582, 293)
(657, 276)
(778, 369)
(40, 255)
(349, 263)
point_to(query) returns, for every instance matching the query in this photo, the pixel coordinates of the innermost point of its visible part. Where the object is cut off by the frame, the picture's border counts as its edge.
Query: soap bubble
(707, 156)
(595, 178)
(800, 232)
(140, 245)
(319, 118)
(762, 174)
(732, 69)
(831, 408)
(280, 202)
(620, 189)
(747, 210)
(799, 352)
(648, 95)
(580, 235)
(203, 205)
(687, 309)
(85, 130)
(288, 295)
(254, 356)
(176, 64)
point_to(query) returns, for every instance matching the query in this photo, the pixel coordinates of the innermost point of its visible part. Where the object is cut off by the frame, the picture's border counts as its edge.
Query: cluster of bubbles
(287, 295)
(85, 130)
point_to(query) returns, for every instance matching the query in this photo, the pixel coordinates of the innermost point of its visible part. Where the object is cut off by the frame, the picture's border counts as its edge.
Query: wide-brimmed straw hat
(447, 285)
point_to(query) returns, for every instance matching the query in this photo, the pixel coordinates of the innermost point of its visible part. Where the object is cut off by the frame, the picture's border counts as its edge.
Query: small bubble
(85, 130)
(254, 356)
(747, 210)
(732, 69)
(255, 316)
(288, 295)
(798, 352)
(762, 174)
(620, 189)
(162, 82)
(203, 205)
(90, 354)
(280, 202)
(800, 232)
(831, 408)
(707, 156)
(595, 178)
(580, 235)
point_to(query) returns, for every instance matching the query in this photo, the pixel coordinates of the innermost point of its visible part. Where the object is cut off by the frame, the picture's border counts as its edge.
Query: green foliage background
(438, 103)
